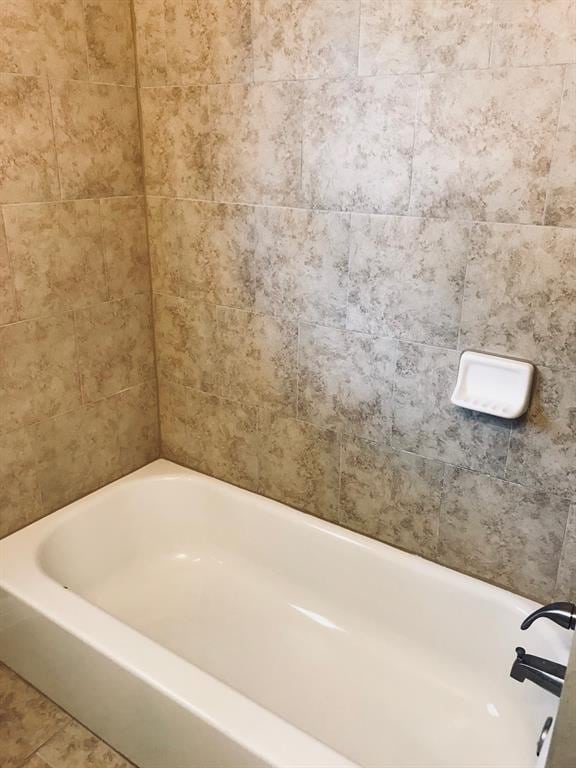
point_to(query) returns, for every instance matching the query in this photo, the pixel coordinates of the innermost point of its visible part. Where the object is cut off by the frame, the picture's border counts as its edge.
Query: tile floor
(35, 733)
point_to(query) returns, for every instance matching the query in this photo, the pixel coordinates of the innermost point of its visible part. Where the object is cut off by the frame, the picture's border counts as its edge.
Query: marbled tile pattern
(257, 143)
(424, 35)
(75, 320)
(484, 143)
(425, 422)
(97, 139)
(38, 38)
(257, 359)
(528, 32)
(407, 277)
(208, 41)
(358, 140)
(299, 465)
(346, 381)
(296, 39)
(392, 496)
(566, 581)
(501, 531)
(28, 169)
(57, 258)
(177, 145)
(543, 445)
(561, 202)
(521, 292)
(110, 44)
(301, 264)
(342, 196)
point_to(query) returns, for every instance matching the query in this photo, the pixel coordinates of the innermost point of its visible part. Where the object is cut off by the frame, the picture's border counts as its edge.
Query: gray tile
(561, 202)
(461, 115)
(358, 140)
(257, 135)
(345, 381)
(299, 465)
(543, 446)
(304, 38)
(258, 357)
(424, 35)
(407, 277)
(186, 342)
(566, 581)
(502, 532)
(520, 293)
(301, 264)
(392, 496)
(426, 422)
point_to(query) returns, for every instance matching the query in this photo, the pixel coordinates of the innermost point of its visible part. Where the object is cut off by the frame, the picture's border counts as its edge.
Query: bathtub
(193, 624)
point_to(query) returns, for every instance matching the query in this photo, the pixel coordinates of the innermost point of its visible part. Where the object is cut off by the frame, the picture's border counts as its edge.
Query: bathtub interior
(386, 658)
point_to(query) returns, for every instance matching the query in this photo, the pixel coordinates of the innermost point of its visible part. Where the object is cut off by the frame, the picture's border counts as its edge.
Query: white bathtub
(190, 623)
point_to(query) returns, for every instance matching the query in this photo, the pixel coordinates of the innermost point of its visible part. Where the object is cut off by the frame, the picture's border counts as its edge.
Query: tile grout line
(554, 145)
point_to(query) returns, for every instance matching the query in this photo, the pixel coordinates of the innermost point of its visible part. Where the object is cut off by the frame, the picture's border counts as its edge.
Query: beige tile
(426, 422)
(125, 245)
(56, 254)
(89, 434)
(358, 139)
(177, 143)
(38, 376)
(97, 138)
(43, 38)
(424, 35)
(502, 532)
(28, 169)
(257, 143)
(299, 465)
(203, 251)
(346, 380)
(109, 41)
(407, 277)
(257, 359)
(138, 426)
(461, 114)
(528, 32)
(115, 346)
(566, 580)
(543, 445)
(561, 201)
(301, 264)
(28, 719)
(151, 41)
(212, 435)
(20, 501)
(186, 342)
(394, 497)
(520, 293)
(75, 747)
(304, 38)
(208, 41)
(175, 441)
(35, 762)
(8, 306)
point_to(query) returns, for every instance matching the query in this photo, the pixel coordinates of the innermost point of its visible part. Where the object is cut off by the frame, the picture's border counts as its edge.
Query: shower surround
(341, 196)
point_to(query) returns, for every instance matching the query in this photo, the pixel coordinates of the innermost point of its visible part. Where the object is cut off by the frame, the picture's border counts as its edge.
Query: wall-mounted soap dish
(496, 385)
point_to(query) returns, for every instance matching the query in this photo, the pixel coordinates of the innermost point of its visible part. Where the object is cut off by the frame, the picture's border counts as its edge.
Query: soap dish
(496, 385)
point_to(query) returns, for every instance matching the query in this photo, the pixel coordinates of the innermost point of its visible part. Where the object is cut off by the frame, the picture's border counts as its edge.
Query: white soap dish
(496, 385)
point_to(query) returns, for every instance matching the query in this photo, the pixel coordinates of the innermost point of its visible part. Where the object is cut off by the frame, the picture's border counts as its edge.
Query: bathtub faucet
(547, 674)
(563, 614)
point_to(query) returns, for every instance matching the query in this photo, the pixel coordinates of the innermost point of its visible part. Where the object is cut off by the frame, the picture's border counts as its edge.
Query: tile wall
(77, 380)
(342, 195)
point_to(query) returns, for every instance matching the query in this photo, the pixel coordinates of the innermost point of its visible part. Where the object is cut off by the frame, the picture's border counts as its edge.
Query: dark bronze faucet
(546, 674)
(563, 614)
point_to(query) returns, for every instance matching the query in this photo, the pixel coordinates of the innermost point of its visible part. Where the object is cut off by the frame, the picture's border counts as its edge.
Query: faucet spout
(563, 614)
(547, 674)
